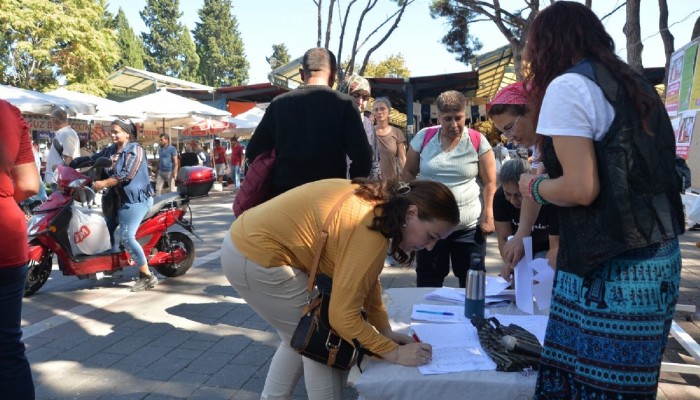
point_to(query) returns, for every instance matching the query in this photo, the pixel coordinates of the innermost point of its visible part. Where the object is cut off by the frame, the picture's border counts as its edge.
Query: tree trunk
(328, 25)
(632, 32)
(319, 6)
(696, 29)
(666, 37)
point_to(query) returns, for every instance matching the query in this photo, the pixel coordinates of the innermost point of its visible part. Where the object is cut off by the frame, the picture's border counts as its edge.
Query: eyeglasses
(358, 95)
(509, 132)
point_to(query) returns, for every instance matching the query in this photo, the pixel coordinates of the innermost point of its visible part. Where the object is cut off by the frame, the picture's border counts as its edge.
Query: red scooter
(170, 253)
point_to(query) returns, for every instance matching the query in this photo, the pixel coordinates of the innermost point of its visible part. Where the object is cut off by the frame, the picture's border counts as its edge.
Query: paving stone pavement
(194, 338)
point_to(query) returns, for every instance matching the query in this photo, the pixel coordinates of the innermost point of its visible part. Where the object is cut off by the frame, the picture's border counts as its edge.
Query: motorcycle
(171, 253)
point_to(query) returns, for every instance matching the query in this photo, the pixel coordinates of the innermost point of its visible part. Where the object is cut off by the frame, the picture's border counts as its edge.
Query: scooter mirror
(103, 162)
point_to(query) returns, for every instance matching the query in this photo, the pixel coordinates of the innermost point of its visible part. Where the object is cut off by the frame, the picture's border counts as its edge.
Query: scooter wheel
(176, 240)
(37, 274)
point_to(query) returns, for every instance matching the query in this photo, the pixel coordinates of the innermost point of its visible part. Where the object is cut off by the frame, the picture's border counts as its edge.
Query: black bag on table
(491, 332)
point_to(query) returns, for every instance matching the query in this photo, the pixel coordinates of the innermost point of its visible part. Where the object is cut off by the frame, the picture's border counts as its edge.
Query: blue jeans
(237, 172)
(15, 376)
(130, 216)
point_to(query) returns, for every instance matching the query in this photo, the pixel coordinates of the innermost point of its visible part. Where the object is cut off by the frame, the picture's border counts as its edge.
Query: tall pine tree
(131, 51)
(167, 47)
(219, 45)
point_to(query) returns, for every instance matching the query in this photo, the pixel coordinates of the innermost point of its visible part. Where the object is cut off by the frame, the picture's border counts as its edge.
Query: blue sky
(263, 23)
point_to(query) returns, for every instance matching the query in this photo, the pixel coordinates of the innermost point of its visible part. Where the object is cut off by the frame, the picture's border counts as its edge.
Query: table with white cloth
(382, 380)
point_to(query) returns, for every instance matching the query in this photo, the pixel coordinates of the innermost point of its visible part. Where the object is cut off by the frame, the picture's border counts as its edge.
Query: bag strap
(474, 136)
(322, 239)
(429, 134)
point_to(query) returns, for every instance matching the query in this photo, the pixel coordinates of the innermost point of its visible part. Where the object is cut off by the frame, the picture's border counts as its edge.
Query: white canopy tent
(248, 119)
(32, 102)
(163, 111)
(100, 103)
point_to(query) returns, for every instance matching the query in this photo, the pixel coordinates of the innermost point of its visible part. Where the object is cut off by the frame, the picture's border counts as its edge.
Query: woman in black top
(506, 214)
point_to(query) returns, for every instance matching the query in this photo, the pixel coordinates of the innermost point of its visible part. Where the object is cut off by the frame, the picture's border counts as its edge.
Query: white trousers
(278, 295)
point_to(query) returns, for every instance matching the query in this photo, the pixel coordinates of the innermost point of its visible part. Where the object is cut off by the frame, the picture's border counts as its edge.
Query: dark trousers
(15, 376)
(433, 266)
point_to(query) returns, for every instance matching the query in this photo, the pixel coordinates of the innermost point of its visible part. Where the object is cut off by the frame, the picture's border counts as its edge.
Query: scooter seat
(160, 201)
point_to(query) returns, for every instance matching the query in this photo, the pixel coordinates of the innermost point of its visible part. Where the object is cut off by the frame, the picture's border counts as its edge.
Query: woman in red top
(19, 179)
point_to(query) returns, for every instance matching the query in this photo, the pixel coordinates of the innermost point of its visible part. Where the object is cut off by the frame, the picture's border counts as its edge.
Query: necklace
(447, 145)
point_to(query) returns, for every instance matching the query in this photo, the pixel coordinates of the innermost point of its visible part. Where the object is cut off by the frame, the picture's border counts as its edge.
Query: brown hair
(563, 34)
(451, 101)
(435, 202)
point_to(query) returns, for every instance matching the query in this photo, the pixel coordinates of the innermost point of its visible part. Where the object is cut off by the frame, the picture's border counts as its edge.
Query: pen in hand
(414, 336)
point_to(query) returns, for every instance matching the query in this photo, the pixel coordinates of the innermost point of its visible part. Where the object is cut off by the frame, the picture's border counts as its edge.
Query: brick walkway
(194, 338)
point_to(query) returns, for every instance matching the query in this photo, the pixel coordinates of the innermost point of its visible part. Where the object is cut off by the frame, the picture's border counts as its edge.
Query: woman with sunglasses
(130, 186)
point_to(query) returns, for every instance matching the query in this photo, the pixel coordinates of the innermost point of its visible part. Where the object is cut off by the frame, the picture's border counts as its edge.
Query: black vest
(639, 203)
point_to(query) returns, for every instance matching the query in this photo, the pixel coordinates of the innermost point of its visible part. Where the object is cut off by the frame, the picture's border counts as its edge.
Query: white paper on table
(542, 290)
(456, 348)
(438, 313)
(523, 280)
(454, 295)
(495, 285)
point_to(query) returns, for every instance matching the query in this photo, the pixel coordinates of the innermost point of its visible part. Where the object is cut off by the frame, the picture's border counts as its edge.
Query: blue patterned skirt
(607, 330)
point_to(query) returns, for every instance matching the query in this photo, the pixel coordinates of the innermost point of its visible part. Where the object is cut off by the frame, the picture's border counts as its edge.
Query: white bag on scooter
(87, 231)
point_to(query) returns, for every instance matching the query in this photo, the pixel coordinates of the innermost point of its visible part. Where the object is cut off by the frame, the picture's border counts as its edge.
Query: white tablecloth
(383, 380)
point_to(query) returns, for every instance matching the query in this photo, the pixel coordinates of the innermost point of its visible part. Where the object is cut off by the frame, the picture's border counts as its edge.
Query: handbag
(491, 333)
(111, 202)
(314, 337)
(257, 185)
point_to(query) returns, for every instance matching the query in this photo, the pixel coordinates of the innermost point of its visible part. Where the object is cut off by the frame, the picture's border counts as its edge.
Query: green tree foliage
(280, 53)
(167, 43)
(457, 40)
(513, 25)
(219, 45)
(131, 49)
(394, 66)
(45, 41)
(190, 59)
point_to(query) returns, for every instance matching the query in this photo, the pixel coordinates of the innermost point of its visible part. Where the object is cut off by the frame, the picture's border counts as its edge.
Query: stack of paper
(495, 292)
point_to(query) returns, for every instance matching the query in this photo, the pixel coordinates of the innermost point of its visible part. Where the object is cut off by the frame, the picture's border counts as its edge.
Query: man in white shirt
(68, 138)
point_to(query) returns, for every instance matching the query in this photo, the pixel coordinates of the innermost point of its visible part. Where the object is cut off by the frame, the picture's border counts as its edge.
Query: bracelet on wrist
(530, 186)
(536, 190)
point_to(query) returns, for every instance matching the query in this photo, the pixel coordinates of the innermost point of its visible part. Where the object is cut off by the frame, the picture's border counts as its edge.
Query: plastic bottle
(476, 288)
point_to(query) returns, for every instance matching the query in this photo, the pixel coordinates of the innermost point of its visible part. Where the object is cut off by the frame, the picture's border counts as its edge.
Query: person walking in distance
(220, 162)
(168, 165)
(69, 146)
(236, 161)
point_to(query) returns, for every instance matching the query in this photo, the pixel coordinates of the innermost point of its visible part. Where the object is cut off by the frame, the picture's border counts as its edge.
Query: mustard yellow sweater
(283, 230)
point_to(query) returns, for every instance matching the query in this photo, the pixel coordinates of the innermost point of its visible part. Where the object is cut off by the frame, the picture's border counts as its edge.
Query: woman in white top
(455, 157)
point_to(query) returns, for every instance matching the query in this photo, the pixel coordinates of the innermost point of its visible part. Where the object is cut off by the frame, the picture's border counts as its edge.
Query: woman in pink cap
(512, 117)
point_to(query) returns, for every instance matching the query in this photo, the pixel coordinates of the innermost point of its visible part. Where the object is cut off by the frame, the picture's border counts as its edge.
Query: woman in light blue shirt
(462, 159)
